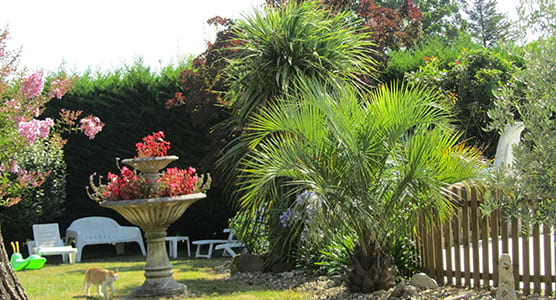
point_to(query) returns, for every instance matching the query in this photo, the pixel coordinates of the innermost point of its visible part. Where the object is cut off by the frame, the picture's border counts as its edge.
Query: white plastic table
(173, 241)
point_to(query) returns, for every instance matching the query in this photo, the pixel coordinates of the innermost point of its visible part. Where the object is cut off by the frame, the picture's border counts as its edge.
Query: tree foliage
(528, 189)
(469, 83)
(285, 43)
(203, 85)
(441, 18)
(537, 18)
(390, 27)
(486, 24)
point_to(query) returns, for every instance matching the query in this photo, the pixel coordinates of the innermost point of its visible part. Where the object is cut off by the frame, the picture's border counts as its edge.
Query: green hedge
(130, 100)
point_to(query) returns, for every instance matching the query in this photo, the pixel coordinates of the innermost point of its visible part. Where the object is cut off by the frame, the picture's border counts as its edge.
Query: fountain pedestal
(154, 216)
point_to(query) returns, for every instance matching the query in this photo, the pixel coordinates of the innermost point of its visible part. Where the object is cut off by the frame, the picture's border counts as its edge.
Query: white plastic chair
(97, 230)
(228, 248)
(212, 243)
(48, 242)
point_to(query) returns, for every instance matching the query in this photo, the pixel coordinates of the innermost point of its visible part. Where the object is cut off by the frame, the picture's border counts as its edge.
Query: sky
(108, 33)
(104, 34)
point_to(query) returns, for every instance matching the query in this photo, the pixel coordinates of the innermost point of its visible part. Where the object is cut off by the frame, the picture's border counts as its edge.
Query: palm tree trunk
(10, 287)
(371, 268)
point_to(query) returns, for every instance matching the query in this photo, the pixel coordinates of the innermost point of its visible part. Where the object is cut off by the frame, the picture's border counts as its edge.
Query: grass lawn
(64, 281)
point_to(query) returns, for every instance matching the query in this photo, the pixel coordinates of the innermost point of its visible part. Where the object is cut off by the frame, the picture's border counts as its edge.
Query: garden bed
(332, 288)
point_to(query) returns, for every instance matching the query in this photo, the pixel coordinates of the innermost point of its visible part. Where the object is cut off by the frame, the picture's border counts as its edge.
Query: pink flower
(13, 105)
(91, 125)
(191, 170)
(44, 127)
(59, 87)
(18, 119)
(32, 86)
(35, 128)
(14, 168)
(128, 173)
(112, 177)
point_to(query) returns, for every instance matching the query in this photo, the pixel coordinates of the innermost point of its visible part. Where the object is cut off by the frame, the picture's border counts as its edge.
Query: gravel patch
(333, 288)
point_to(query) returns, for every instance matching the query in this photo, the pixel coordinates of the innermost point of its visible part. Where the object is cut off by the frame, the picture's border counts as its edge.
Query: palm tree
(374, 161)
(280, 45)
(296, 40)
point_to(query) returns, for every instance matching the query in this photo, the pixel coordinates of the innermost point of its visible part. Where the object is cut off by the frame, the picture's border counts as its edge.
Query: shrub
(251, 231)
(528, 190)
(404, 61)
(470, 82)
(38, 205)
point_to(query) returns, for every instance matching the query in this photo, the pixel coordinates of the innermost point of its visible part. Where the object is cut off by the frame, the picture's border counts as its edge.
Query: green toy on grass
(32, 262)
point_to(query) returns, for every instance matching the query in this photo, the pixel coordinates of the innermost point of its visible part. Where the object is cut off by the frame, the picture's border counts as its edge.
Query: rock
(287, 274)
(423, 281)
(398, 291)
(410, 290)
(403, 291)
(459, 297)
(506, 287)
(246, 263)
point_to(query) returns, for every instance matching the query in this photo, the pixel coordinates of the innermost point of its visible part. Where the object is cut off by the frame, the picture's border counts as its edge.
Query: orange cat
(102, 278)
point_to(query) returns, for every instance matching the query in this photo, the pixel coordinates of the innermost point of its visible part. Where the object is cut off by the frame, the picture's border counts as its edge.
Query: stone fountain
(153, 216)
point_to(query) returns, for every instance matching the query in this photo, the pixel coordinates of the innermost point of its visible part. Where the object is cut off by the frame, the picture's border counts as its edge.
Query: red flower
(128, 186)
(153, 145)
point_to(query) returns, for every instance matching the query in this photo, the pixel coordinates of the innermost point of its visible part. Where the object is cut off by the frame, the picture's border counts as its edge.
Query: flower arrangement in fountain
(129, 185)
(152, 145)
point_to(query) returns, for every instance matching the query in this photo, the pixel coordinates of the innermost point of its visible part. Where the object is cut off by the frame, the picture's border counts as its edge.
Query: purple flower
(311, 202)
(288, 217)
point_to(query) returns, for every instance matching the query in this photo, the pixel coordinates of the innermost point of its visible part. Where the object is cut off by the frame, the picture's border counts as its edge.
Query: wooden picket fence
(454, 252)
